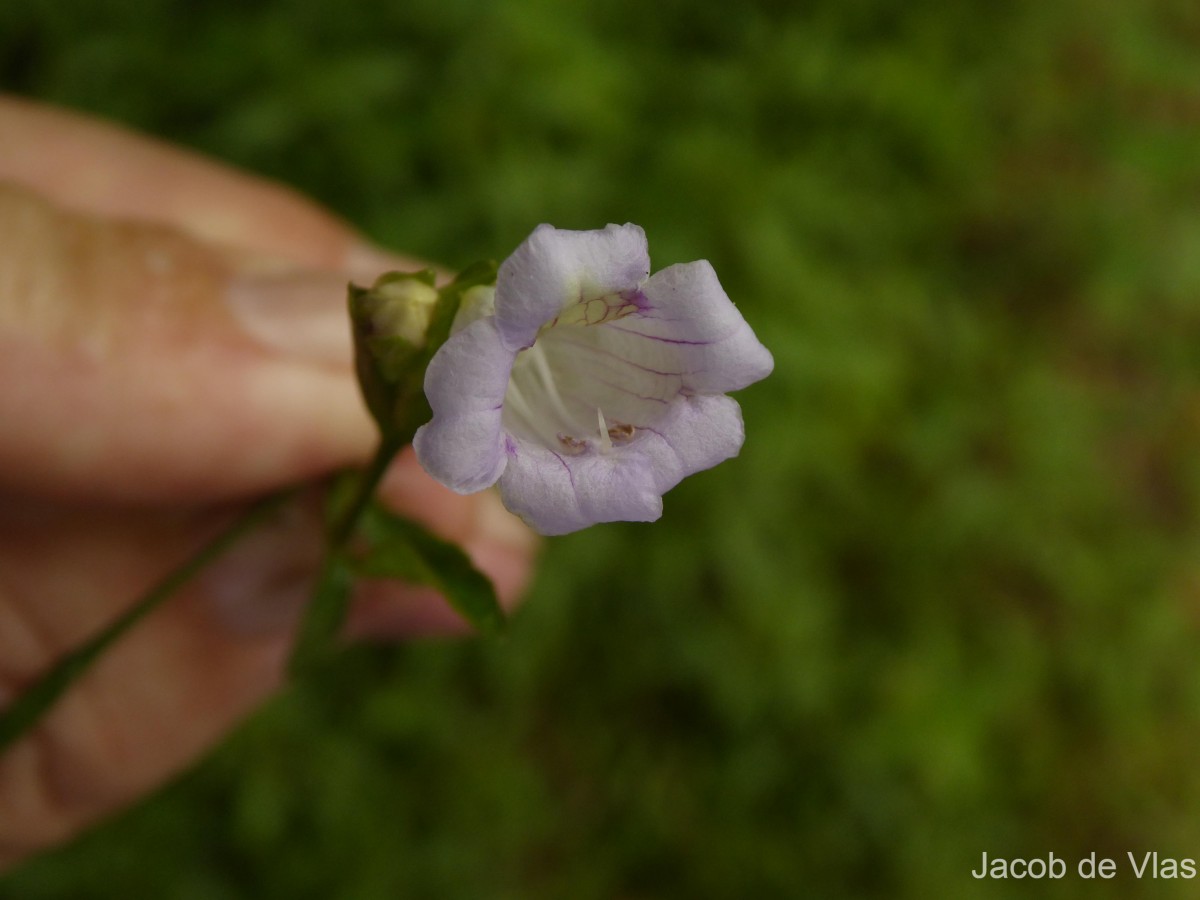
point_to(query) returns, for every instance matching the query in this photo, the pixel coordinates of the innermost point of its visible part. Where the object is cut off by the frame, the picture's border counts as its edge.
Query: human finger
(173, 686)
(92, 166)
(139, 364)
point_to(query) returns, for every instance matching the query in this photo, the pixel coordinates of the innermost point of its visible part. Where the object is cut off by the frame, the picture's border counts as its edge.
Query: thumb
(140, 365)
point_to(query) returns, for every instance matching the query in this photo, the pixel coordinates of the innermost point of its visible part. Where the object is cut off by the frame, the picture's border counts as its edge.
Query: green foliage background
(946, 600)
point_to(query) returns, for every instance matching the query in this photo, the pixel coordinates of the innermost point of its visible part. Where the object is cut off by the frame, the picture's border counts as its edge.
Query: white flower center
(590, 381)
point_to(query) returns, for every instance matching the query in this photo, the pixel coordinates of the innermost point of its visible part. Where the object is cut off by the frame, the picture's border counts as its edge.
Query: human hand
(173, 343)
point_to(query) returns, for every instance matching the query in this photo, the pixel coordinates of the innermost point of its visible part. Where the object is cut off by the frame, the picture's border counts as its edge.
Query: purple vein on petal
(570, 474)
(623, 359)
(662, 436)
(625, 390)
(663, 340)
(650, 314)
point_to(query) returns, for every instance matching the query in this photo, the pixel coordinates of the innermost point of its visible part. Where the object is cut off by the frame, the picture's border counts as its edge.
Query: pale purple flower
(584, 387)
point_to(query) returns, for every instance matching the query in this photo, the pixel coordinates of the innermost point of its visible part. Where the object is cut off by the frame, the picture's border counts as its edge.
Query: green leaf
(401, 549)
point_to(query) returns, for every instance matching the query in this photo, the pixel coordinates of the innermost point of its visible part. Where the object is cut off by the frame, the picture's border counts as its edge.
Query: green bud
(390, 321)
(398, 324)
(400, 306)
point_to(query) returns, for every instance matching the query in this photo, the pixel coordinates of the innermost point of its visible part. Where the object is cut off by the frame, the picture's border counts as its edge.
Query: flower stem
(28, 708)
(343, 527)
(326, 613)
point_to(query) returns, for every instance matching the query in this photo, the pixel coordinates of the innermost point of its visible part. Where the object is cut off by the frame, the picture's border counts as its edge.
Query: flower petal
(463, 446)
(689, 317)
(621, 397)
(554, 267)
(700, 432)
(555, 493)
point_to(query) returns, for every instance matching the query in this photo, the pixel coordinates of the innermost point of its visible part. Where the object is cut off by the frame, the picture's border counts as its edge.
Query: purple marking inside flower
(636, 299)
(593, 387)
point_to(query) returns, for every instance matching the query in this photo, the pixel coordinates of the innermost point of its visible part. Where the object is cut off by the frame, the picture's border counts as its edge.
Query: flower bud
(390, 321)
(398, 306)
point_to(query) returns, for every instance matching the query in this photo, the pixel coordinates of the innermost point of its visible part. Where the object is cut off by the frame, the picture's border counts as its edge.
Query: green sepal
(450, 300)
(394, 547)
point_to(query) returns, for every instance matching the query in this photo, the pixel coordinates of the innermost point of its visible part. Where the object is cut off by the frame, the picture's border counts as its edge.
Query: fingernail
(301, 314)
(366, 262)
(260, 587)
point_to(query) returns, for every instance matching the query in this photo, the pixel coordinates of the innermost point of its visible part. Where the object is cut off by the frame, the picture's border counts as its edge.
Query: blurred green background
(948, 598)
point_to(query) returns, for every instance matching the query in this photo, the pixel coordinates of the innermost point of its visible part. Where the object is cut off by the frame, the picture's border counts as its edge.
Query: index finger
(92, 166)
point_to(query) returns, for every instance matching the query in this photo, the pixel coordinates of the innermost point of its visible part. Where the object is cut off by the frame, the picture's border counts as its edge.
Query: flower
(586, 387)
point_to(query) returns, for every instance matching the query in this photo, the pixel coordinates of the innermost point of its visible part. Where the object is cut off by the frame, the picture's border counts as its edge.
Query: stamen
(517, 405)
(621, 433)
(547, 378)
(572, 446)
(605, 441)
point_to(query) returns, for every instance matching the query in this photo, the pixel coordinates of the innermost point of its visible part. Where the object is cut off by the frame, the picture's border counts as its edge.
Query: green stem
(367, 484)
(326, 614)
(23, 712)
